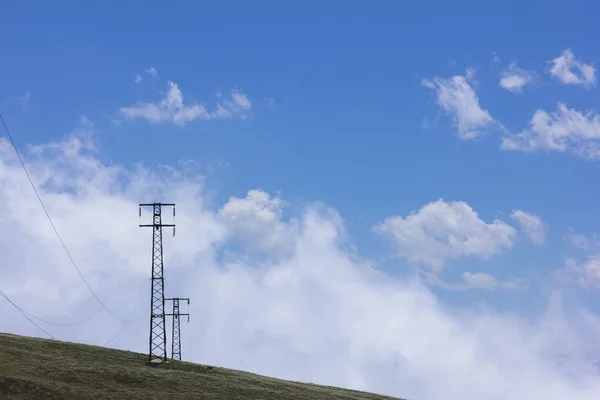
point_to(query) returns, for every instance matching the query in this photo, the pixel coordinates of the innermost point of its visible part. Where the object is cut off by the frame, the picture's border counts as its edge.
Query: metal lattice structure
(176, 330)
(158, 335)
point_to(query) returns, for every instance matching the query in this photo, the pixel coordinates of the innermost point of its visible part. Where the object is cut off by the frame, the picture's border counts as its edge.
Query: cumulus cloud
(256, 222)
(237, 105)
(169, 109)
(582, 241)
(458, 99)
(514, 78)
(563, 130)
(321, 314)
(152, 72)
(584, 272)
(481, 280)
(531, 225)
(441, 231)
(474, 281)
(568, 70)
(172, 108)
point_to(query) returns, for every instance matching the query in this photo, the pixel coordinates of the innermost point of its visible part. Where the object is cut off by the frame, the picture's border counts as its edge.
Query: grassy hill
(47, 369)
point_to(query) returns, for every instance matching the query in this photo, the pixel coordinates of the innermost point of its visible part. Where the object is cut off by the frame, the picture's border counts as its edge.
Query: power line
(131, 312)
(124, 325)
(61, 324)
(98, 310)
(52, 223)
(129, 316)
(25, 315)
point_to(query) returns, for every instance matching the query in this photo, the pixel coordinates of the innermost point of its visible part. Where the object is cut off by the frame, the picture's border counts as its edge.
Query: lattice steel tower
(176, 331)
(158, 337)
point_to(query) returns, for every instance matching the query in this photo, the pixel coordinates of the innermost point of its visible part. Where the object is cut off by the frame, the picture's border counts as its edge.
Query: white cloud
(241, 100)
(586, 273)
(270, 103)
(169, 109)
(563, 130)
(138, 78)
(571, 71)
(321, 314)
(495, 58)
(460, 101)
(441, 231)
(24, 100)
(470, 74)
(152, 72)
(256, 223)
(582, 241)
(481, 280)
(474, 281)
(172, 108)
(514, 78)
(237, 105)
(531, 225)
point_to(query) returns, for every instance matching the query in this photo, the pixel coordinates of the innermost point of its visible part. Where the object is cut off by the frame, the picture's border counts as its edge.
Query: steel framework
(176, 331)
(158, 338)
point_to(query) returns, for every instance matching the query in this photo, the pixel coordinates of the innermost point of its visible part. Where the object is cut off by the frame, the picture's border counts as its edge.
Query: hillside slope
(48, 369)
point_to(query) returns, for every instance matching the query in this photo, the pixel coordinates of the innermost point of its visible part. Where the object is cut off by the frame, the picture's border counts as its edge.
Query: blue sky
(338, 106)
(339, 112)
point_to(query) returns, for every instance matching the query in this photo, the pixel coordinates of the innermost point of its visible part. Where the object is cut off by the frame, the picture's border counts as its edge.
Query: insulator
(140, 212)
(173, 210)
(173, 231)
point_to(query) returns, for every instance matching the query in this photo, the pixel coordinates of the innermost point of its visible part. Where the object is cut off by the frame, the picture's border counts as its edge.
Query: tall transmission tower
(158, 337)
(176, 340)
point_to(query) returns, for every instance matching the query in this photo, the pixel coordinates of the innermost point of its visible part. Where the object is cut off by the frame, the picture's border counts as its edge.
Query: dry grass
(47, 369)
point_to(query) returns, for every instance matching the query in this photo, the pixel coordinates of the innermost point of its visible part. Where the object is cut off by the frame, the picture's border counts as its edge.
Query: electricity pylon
(176, 339)
(158, 337)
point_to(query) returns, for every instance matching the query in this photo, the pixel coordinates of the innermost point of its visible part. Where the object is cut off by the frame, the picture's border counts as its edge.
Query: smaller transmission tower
(176, 340)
